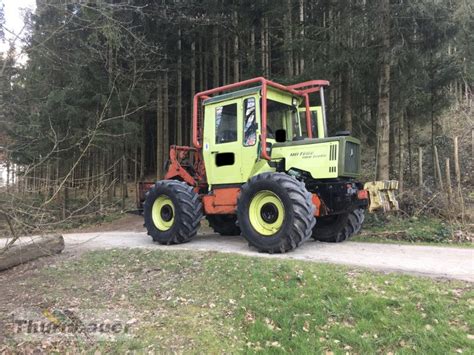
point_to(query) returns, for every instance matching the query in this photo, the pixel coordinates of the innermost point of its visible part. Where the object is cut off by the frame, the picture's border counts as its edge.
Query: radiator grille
(333, 152)
(352, 158)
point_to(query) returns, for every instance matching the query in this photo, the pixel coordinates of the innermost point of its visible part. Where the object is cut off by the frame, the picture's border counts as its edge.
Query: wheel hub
(166, 213)
(162, 213)
(269, 212)
(266, 213)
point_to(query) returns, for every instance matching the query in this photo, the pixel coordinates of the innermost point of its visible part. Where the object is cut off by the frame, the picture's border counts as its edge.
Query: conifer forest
(94, 92)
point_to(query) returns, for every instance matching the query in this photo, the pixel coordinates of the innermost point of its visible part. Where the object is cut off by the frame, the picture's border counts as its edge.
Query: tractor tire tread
(303, 211)
(189, 207)
(224, 224)
(343, 228)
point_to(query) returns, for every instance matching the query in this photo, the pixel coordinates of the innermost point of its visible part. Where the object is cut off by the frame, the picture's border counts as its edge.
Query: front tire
(275, 212)
(338, 228)
(172, 212)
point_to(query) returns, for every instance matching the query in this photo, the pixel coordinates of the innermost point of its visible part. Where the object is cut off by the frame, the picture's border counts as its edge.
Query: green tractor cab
(262, 165)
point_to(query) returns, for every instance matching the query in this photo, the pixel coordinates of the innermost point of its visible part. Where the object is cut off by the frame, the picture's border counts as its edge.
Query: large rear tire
(224, 224)
(338, 228)
(275, 212)
(172, 212)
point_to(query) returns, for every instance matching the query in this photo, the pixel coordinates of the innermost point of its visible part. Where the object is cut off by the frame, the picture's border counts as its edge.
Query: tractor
(263, 166)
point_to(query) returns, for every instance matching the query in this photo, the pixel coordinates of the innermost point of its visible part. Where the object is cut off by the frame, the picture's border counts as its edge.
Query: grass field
(214, 303)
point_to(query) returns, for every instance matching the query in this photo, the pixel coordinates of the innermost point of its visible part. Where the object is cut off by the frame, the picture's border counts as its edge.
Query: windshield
(282, 117)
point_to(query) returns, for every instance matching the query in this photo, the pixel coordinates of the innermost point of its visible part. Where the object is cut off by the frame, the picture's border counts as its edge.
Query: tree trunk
(201, 66)
(124, 164)
(103, 181)
(302, 30)
(166, 134)
(410, 155)
(383, 119)
(124, 177)
(179, 97)
(206, 69)
(110, 175)
(66, 200)
(288, 41)
(236, 49)
(8, 176)
(88, 175)
(420, 166)
(159, 129)
(263, 61)
(192, 84)
(435, 127)
(449, 188)
(252, 59)
(264, 42)
(267, 49)
(346, 99)
(143, 148)
(225, 71)
(401, 152)
(24, 252)
(215, 56)
(438, 169)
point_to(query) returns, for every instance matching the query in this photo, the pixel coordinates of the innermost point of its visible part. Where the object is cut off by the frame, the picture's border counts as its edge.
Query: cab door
(222, 142)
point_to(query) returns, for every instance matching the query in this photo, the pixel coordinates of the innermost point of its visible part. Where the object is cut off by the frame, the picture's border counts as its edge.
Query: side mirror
(280, 135)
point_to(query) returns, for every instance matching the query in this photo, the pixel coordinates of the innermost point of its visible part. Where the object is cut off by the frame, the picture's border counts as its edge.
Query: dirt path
(437, 262)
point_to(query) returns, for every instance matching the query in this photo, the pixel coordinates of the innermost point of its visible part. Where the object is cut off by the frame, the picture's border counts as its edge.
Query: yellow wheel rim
(162, 213)
(266, 213)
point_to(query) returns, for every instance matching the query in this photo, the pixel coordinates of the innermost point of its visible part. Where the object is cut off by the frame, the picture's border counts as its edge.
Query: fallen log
(24, 252)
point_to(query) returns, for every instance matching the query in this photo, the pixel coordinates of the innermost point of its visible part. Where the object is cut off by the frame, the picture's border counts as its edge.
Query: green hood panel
(323, 158)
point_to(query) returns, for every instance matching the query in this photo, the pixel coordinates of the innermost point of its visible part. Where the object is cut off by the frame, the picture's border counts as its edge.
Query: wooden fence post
(420, 166)
(438, 169)
(472, 142)
(448, 181)
(457, 170)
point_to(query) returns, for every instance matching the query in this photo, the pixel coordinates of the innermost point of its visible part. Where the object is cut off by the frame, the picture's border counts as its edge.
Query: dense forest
(107, 85)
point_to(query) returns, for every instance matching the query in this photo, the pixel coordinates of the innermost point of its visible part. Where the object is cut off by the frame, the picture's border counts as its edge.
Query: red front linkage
(186, 164)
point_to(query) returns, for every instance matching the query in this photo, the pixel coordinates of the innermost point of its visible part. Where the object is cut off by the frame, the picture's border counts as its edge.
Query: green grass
(214, 303)
(371, 238)
(423, 230)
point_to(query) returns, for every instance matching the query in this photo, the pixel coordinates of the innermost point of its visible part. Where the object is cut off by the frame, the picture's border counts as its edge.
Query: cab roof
(274, 94)
(232, 95)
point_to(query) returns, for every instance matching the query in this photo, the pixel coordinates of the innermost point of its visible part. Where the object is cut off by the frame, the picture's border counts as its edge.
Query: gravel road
(436, 262)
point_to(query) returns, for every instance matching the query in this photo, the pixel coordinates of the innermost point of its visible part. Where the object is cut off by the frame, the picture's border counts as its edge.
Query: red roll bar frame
(301, 89)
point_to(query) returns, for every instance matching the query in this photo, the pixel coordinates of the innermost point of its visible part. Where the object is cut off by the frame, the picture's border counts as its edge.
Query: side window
(314, 123)
(226, 124)
(250, 122)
